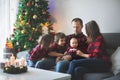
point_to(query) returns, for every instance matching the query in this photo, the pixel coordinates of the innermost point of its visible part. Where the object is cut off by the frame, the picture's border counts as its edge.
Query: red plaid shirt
(82, 45)
(57, 48)
(97, 49)
(72, 51)
(38, 53)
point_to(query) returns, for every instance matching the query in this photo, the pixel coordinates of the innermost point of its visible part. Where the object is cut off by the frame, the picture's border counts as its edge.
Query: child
(39, 54)
(71, 51)
(58, 48)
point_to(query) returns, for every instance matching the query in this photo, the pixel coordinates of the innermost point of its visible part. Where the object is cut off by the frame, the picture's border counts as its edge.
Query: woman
(96, 59)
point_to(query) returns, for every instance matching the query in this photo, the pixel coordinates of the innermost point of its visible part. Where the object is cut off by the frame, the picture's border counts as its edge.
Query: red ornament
(28, 4)
(14, 29)
(49, 17)
(36, 30)
(30, 39)
(19, 50)
(12, 35)
(28, 23)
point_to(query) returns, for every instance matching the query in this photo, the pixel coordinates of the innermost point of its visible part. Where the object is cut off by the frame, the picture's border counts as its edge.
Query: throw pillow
(115, 58)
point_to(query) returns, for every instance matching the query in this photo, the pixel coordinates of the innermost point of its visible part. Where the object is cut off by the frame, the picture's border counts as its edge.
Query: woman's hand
(80, 53)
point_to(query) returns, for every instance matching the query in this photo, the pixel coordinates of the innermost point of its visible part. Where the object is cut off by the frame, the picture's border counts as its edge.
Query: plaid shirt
(72, 51)
(38, 53)
(57, 48)
(82, 45)
(97, 49)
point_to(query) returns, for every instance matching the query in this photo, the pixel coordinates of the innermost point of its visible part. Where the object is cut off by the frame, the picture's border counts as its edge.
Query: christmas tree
(33, 20)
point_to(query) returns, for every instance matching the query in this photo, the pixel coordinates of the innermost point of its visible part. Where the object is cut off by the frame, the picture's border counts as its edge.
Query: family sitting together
(75, 54)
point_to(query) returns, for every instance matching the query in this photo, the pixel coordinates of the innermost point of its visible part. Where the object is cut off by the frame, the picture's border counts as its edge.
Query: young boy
(58, 48)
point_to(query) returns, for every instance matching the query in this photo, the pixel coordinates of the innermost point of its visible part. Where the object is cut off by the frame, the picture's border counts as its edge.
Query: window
(8, 11)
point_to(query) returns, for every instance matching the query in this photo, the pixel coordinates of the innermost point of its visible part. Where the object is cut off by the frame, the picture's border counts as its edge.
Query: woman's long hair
(46, 40)
(92, 30)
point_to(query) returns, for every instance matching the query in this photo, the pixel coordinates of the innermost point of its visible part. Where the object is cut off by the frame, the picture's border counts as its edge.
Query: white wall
(105, 12)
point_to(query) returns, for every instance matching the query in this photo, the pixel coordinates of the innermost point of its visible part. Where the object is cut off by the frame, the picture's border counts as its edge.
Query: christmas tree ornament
(36, 30)
(36, 0)
(29, 4)
(23, 31)
(28, 23)
(47, 24)
(22, 23)
(41, 24)
(33, 2)
(33, 28)
(17, 43)
(12, 35)
(34, 16)
(14, 29)
(20, 17)
(25, 46)
(30, 39)
(19, 50)
(44, 12)
(26, 13)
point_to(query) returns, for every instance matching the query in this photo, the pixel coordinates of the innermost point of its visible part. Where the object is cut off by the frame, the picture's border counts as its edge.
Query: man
(77, 24)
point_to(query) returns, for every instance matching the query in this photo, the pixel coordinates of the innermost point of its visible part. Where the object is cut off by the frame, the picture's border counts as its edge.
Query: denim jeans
(29, 62)
(46, 64)
(62, 66)
(78, 68)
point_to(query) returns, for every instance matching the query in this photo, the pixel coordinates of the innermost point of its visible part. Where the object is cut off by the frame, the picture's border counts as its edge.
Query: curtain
(8, 11)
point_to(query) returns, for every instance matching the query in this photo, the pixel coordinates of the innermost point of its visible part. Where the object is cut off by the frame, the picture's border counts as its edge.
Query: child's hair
(59, 35)
(46, 40)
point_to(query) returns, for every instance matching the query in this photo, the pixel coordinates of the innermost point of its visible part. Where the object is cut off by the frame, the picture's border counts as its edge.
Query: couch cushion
(97, 76)
(115, 59)
(112, 39)
(22, 54)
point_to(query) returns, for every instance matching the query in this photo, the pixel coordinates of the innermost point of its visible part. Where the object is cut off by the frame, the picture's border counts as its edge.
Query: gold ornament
(33, 29)
(20, 17)
(41, 24)
(26, 13)
(47, 24)
(25, 46)
(34, 16)
(23, 31)
(17, 43)
(22, 23)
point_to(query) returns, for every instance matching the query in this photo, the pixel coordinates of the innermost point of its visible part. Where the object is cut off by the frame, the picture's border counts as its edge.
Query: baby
(71, 51)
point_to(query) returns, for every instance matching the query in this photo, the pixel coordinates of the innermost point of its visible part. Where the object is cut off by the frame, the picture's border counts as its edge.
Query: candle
(7, 64)
(12, 60)
(16, 63)
(22, 61)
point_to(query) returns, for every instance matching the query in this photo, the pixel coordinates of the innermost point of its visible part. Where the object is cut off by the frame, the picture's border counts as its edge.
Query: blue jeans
(46, 64)
(78, 68)
(62, 66)
(29, 62)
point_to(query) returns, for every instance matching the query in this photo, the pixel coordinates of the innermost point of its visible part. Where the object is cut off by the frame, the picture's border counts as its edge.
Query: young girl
(39, 55)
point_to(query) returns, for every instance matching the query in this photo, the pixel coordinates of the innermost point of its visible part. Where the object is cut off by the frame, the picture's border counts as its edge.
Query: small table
(35, 74)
